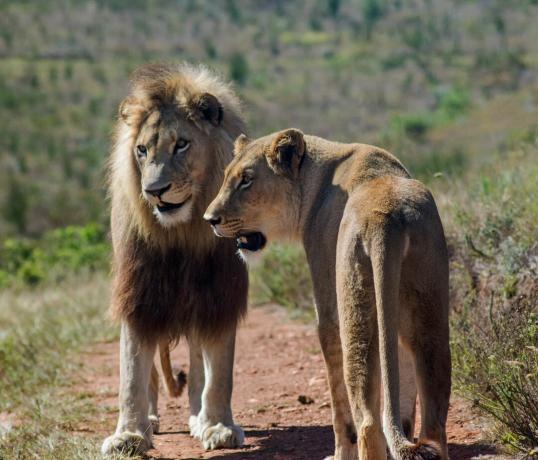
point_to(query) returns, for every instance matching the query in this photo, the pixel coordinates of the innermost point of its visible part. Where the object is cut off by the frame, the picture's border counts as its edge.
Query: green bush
(493, 234)
(412, 125)
(496, 362)
(58, 253)
(239, 68)
(283, 277)
(454, 103)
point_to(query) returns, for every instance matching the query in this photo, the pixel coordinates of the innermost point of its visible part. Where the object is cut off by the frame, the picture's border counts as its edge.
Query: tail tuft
(181, 381)
(420, 451)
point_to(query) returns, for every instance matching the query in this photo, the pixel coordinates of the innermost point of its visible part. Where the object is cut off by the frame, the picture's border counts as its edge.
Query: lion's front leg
(195, 383)
(134, 430)
(214, 425)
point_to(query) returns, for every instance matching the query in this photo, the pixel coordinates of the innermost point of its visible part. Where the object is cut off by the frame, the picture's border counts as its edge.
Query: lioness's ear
(131, 109)
(286, 152)
(208, 108)
(240, 143)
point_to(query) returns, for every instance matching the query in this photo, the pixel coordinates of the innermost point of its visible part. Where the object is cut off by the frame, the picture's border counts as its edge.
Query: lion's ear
(131, 109)
(286, 152)
(208, 108)
(240, 143)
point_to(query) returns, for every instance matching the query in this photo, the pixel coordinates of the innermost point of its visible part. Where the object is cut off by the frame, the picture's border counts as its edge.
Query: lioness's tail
(174, 383)
(387, 260)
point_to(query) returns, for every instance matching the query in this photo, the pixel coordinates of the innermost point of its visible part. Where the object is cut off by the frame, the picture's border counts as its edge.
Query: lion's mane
(180, 280)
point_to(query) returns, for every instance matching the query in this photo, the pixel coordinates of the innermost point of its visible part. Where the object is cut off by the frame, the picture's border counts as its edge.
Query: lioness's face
(257, 200)
(173, 154)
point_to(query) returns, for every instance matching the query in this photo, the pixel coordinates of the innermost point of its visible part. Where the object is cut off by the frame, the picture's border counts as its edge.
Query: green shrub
(496, 364)
(495, 293)
(453, 103)
(238, 68)
(437, 164)
(283, 277)
(413, 125)
(58, 253)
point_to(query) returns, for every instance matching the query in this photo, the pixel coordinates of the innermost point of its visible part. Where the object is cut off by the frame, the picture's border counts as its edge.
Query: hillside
(368, 70)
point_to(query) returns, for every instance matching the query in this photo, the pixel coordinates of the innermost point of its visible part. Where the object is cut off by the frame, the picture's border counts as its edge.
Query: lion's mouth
(164, 207)
(251, 241)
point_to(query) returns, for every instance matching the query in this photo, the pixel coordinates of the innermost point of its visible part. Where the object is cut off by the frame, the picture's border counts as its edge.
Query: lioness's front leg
(214, 423)
(345, 435)
(134, 430)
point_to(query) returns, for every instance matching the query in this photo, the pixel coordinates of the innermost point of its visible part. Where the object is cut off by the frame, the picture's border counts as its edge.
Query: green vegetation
(57, 254)
(42, 330)
(493, 233)
(346, 69)
(283, 277)
(448, 86)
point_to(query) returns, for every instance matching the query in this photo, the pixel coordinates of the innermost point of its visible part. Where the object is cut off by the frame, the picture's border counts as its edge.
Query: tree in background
(372, 11)
(239, 68)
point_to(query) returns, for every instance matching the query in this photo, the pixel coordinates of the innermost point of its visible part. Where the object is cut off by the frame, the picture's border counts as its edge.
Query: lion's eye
(246, 182)
(141, 150)
(181, 146)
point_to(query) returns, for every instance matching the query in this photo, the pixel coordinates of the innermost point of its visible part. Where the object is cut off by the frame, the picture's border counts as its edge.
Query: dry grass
(43, 329)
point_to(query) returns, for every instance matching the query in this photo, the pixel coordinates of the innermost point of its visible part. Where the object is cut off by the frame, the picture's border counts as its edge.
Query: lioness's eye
(141, 150)
(246, 182)
(181, 146)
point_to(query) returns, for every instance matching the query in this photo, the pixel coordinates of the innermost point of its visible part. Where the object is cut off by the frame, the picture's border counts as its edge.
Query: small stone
(303, 399)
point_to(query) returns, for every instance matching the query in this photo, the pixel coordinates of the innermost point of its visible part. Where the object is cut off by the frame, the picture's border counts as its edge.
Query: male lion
(378, 259)
(172, 276)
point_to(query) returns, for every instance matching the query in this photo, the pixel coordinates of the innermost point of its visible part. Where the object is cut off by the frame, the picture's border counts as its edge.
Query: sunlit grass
(41, 331)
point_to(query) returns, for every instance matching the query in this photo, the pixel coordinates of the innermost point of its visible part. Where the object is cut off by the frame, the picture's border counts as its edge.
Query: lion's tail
(174, 383)
(386, 265)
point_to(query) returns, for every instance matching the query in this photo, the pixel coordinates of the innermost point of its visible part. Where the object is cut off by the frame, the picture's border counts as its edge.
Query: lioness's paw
(155, 424)
(346, 452)
(220, 435)
(126, 443)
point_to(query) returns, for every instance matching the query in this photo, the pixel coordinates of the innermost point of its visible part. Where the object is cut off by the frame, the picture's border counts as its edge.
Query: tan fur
(172, 277)
(156, 87)
(378, 259)
(174, 383)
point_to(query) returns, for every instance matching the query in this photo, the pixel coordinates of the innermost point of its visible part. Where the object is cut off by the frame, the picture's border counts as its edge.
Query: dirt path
(277, 360)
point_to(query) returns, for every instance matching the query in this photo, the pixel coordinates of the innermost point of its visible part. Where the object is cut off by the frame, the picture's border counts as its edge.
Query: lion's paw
(155, 424)
(193, 427)
(126, 443)
(219, 435)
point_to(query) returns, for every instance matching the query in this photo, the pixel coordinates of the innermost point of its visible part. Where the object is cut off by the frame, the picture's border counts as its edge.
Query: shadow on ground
(314, 442)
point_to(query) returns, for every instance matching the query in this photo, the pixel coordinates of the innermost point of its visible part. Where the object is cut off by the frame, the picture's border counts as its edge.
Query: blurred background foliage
(393, 71)
(450, 86)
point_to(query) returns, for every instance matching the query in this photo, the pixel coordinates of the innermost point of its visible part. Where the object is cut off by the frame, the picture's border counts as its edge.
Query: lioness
(378, 259)
(172, 277)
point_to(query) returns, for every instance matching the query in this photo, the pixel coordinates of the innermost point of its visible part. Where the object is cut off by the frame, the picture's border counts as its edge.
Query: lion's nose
(213, 220)
(157, 192)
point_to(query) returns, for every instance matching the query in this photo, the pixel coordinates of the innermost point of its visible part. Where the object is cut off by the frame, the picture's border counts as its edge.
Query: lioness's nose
(157, 192)
(213, 220)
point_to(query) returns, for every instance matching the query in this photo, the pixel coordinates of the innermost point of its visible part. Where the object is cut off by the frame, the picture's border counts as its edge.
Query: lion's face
(258, 199)
(173, 153)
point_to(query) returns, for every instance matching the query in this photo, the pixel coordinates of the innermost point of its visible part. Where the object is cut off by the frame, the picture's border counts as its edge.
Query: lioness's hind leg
(360, 344)
(433, 380)
(408, 391)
